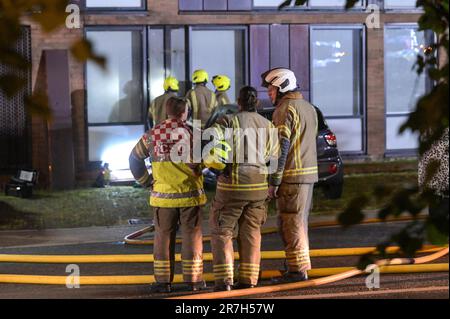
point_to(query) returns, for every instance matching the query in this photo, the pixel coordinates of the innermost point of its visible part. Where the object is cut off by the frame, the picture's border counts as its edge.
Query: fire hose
(131, 238)
(148, 279)
(381, 264)
(148, 258)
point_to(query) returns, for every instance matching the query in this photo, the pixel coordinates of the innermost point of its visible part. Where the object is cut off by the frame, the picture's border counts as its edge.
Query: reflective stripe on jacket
(202, 102)
(222, 98)
(296, 120)
(175, 183)
(246, 176)
(157, 110)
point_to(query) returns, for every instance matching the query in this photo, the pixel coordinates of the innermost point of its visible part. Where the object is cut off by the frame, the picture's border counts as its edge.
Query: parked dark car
(331, 169)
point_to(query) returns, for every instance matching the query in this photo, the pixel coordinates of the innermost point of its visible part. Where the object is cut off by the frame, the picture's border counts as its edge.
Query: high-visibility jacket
(296, 120)
(157, 109)
(246, 176)
(175, 183)
(202, 102)
(222, 98)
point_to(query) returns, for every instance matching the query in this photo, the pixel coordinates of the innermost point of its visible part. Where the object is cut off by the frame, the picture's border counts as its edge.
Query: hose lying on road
(320, 281)
(148, 258)
(148, 279)
(131, 238)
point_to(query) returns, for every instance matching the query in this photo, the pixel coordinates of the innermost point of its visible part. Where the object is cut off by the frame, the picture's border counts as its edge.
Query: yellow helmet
(218, 157)
(200, 76)
(171, 83)
(221, 82)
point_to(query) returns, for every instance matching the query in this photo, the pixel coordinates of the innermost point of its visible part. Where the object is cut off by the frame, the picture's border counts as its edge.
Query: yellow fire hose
(131, 238)
(148, 258)
(148, 279)
(383, 264)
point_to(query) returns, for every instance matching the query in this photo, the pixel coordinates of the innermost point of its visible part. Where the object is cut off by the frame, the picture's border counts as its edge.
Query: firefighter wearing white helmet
(222, 84)
(202, 101)
(241, 194)
(293, 183)
(157, 110)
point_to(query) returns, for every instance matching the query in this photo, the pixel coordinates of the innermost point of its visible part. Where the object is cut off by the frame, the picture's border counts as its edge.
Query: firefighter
(241, 195)
(222, 84)
(202, 100)
(157, 109)
(177, 195)
(292, 185)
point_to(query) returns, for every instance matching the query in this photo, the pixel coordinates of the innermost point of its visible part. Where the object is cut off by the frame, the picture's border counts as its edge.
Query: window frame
(166, 29)
(309, 8)
(145, 102)
(244, 28)
(141, 8)
(363, 85)
(428, 86)
(395, 9)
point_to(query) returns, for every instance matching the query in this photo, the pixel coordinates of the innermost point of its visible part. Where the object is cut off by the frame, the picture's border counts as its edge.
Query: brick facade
(167, 13)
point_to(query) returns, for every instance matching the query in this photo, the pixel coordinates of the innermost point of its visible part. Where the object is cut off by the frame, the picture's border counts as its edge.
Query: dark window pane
(115, 94)
(220, 52)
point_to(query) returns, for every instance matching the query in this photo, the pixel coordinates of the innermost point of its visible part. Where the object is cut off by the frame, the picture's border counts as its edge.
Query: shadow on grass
(11, 218)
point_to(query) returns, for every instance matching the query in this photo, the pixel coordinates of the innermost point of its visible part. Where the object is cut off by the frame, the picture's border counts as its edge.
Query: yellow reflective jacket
(296, 121)
(202, 102)
(176, 181)
(254, 143)
(157, 109)
(222, 98)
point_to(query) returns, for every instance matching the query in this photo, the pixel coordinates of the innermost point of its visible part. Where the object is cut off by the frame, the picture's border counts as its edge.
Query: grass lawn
(116, 204)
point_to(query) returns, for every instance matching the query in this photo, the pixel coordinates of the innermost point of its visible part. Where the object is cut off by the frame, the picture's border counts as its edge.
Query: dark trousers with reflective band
(226, 214)
(293, 207)
(166, 224)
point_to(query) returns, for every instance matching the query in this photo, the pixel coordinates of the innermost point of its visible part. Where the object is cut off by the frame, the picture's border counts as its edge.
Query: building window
(403, 87)
(115, 4)
(311, 4)
(115, 103)
(400, 4)
(167, 57)
(220, 51)
(337, 81)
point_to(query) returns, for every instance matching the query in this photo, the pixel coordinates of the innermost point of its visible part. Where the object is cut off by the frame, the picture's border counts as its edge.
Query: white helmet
(282, 78)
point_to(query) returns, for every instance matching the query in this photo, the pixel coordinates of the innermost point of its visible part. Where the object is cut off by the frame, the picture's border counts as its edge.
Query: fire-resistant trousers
(293, 208)
(249, 216)
(166, 223)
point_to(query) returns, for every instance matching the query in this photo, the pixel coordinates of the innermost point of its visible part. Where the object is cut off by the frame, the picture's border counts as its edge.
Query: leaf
(364, 261)
(82, 51)
(38, 105)
(11, 84)
(381, 249)
(409, 243)
(435, 236)
(50, 14)
(13, 59)
(350, 4)
(286, 3)
(353, 215)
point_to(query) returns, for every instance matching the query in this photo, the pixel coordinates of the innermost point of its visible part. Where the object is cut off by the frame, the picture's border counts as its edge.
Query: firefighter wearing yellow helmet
(222, 84)
(157, 110)
(241, 192)
(202, 100)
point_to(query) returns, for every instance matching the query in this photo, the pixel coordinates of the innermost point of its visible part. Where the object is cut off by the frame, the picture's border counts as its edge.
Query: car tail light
(332, 169)
(331, 139)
